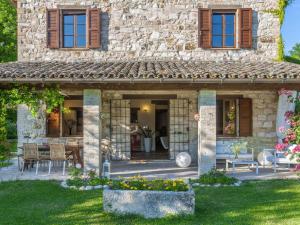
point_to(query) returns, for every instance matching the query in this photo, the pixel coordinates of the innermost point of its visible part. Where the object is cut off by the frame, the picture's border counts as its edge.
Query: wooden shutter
(245, 117)
(52, 28)
(245, 26)
(204, 28)
(94, 23)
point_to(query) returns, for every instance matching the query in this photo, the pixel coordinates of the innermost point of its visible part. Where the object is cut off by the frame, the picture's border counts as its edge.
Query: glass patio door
(120, 128)
(179, 126)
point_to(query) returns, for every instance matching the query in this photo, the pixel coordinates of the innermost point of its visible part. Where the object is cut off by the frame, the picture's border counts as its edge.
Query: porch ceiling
(151, 71)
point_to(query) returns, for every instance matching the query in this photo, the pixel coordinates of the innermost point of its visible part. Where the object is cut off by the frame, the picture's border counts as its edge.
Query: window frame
(75, 13)
(223, 12)
(61, 118)
(224, 98)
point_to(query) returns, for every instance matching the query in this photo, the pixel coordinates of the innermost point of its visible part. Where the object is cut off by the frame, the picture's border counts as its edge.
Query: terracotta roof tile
(154, 71)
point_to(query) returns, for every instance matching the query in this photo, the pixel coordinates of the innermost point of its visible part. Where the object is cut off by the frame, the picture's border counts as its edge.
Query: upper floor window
(225, 28)
(74, 29)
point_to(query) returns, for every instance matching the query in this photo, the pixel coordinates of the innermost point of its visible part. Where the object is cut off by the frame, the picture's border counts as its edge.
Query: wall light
(146, 108)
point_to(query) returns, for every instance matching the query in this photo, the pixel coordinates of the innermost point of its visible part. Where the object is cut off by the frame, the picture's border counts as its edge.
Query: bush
(139, 183)
(5, 149)
(215, 177)
(77, 182)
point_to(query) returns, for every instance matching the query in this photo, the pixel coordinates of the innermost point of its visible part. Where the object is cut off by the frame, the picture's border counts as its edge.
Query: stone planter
(149, 204)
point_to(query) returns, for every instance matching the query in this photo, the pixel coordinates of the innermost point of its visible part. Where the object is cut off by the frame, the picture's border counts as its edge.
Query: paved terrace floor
(150, 169)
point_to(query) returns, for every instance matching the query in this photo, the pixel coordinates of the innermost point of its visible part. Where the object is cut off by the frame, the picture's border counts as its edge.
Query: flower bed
(149, 198)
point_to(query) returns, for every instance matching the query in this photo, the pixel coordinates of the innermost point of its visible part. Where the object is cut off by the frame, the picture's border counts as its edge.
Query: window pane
(217, 41)
(68, 41)
(81, 30)
(68, 30)
(217, 30)
(217, 18)
(230, 117)
(68, 19)
(81, 19)
(81, 42)
(229, 18)
(229, 30)
(229, 41)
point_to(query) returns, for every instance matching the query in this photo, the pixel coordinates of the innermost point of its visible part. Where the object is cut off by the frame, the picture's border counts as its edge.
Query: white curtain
(283, 107)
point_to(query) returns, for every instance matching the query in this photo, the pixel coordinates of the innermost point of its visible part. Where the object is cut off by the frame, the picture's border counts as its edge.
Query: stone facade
(146, 30)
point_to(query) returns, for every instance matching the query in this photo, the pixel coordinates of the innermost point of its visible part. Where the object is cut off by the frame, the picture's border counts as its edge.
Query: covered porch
(200, 83)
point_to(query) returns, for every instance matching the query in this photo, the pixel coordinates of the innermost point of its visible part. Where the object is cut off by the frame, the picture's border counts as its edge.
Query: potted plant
(237, 147)
(147, 134)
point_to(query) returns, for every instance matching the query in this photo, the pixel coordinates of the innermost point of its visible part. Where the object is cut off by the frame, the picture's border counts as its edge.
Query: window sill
(225, 48)
(74, 49)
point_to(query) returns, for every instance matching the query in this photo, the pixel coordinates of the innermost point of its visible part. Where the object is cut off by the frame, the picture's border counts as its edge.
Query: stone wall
(146, 29)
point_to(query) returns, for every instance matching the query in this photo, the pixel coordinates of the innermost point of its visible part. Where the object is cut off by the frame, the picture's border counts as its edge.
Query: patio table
(235, 162)
(73, 150)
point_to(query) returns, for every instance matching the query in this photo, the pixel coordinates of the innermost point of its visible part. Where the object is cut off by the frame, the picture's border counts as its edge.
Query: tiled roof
(152, 71)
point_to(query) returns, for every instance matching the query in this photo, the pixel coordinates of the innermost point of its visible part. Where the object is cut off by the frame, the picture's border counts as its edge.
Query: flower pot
(147, 144)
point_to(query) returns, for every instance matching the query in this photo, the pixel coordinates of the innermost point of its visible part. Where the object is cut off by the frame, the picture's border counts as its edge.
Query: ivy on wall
(32, 97)
(280, 13)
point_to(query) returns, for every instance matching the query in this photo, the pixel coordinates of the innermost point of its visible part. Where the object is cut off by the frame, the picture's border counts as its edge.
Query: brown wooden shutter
(52, 28)
(94, 24)
(204, 28)
(245, 22)
(245, 117)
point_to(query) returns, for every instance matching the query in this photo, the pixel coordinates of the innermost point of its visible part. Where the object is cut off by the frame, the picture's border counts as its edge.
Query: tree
(8, 31)
(295, 52)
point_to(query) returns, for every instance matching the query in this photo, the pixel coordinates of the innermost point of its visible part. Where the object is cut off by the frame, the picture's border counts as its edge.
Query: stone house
(199, 74)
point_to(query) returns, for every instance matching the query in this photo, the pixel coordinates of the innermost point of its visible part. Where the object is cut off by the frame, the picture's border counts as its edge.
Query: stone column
(27, 125)
(92, 130)
(206, 131)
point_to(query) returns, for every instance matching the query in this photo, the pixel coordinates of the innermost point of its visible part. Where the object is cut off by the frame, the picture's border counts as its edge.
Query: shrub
(77, 182)
(215, 177)
(75, 173)
(98, 181)
(5, 149)
(139, 183)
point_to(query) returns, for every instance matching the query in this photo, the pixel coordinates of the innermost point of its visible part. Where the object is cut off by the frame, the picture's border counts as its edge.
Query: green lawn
(42, 202)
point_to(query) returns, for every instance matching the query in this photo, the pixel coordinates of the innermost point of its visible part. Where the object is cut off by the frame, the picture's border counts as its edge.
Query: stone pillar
(206, 131)
(27, 125)
(92, 130)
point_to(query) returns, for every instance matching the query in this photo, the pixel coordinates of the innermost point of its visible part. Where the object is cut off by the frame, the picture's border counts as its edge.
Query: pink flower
(297, 167)
(281, 129)
(296, 149)
(284, 92)
(280, 147)
(288, 114)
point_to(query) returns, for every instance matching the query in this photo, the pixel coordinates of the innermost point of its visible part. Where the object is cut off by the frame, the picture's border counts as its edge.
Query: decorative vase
(147, 144)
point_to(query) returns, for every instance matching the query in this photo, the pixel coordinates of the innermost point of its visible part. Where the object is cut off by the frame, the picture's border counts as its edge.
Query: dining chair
(57, 153)
(30, 154)
(42, 156)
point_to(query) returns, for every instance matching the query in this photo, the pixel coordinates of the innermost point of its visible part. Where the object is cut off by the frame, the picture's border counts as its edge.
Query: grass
(44, 202)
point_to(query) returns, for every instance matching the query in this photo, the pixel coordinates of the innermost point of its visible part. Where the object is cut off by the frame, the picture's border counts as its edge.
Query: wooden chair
(58, 153)
(42, 156)
(30, 154)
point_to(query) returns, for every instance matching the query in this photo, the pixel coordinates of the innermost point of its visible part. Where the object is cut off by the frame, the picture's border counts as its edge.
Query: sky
(291, 27)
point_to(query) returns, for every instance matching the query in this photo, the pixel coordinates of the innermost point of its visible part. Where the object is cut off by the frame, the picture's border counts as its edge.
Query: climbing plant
(32, 97)
(280, 13)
